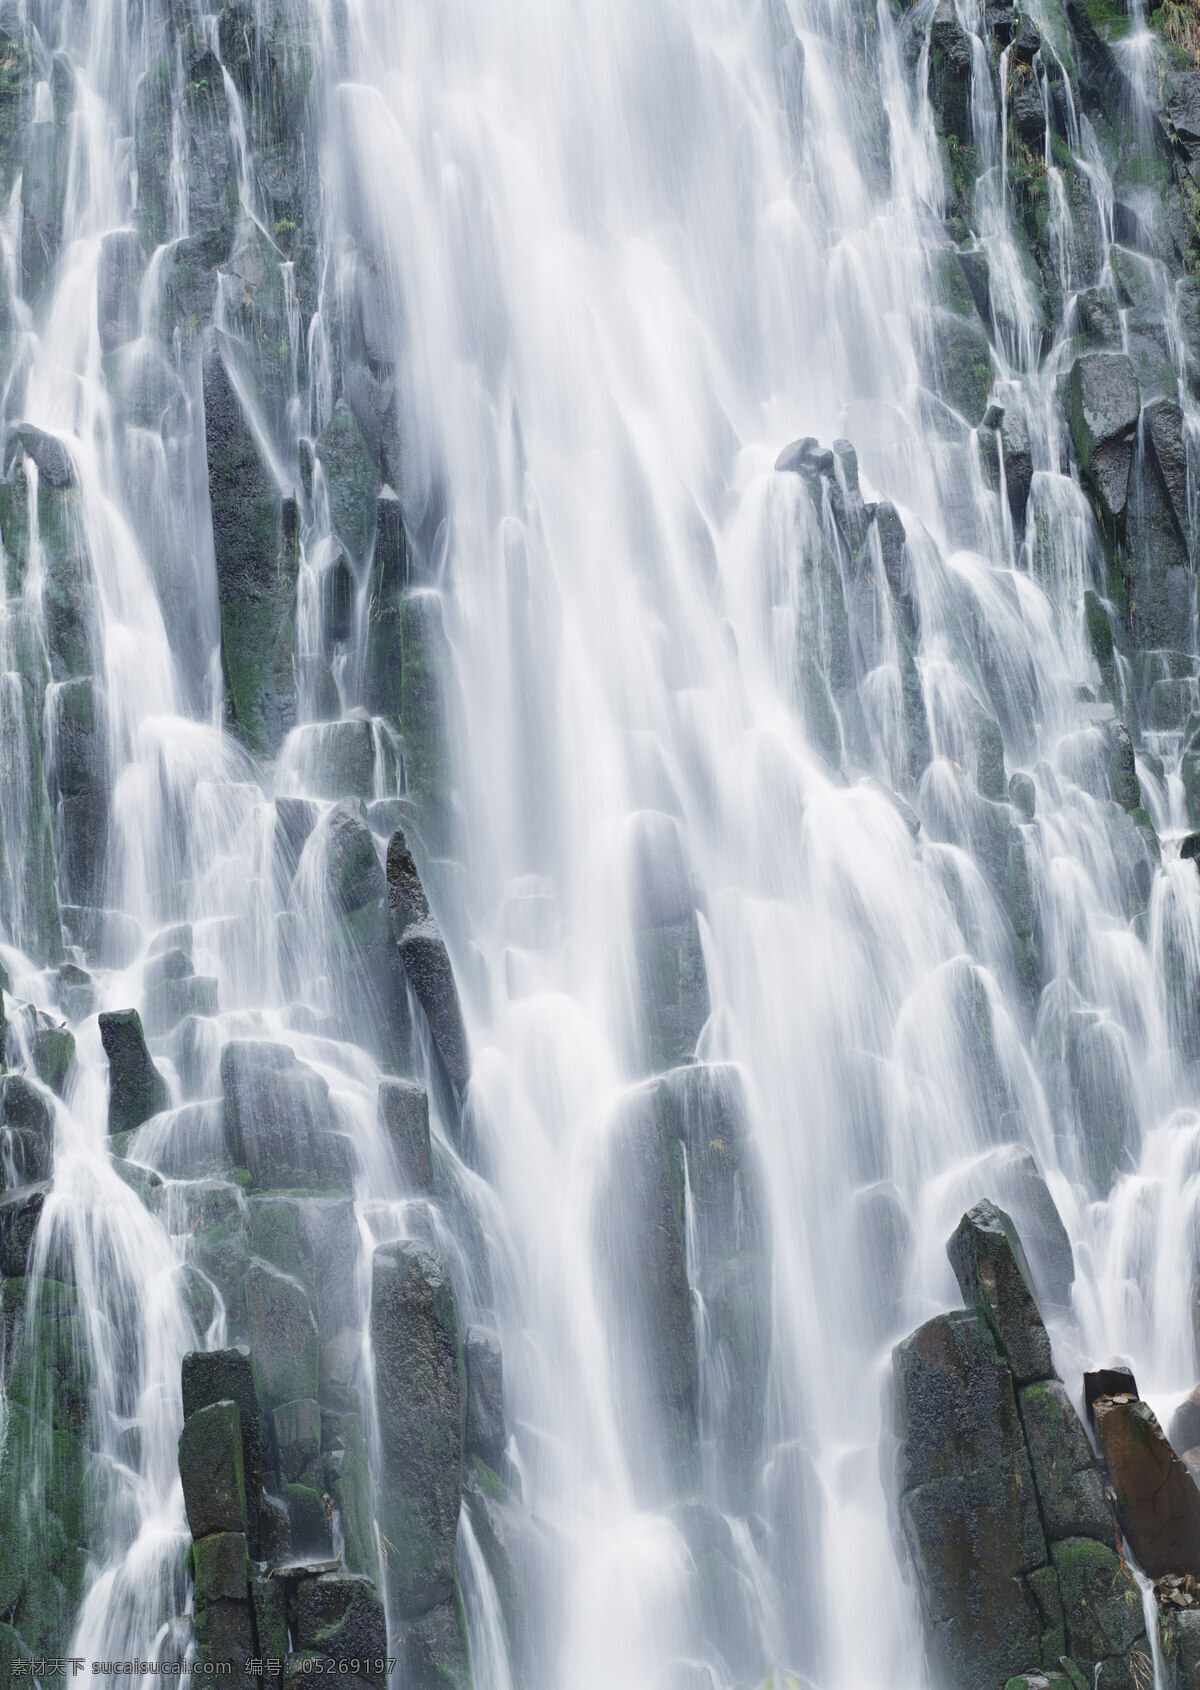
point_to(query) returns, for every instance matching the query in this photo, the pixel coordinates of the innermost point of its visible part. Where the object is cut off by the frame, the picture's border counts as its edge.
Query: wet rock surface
(1002, 1502)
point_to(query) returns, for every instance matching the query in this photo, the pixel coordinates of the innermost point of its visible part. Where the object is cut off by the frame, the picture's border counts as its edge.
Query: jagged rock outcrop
(136, 1089)
(426, 961)
(1001, 1500)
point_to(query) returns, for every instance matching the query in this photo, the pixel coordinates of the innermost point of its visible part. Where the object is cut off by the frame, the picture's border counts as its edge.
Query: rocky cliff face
(245, 1174)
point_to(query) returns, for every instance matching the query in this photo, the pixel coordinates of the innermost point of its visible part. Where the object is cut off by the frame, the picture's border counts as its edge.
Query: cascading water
(393, 395)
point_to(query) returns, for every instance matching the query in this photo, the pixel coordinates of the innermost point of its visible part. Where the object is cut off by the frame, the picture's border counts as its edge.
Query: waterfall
(598, 631)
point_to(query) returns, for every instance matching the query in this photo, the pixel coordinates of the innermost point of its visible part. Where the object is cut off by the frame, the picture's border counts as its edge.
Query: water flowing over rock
(1002, 1502)
(599, 748)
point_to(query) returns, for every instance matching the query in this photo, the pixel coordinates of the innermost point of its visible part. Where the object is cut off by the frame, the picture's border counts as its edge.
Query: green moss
(491, 1483)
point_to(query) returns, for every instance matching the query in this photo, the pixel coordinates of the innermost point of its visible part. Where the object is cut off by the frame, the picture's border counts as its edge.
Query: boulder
(1008, 423)
(436, 1652)
(407, 902)
(212, 1376)
(1010, 1177)
(210, 1465)
(993, 1276)
(340, 1615)
(278, 1120)
(224, 1635)
(486, 1435)
(638, 1241)
(403, 1114)
(26, 1114)
(968, 1505)
(222, 1568)
(427, 962)
(20, 1211)
(1102, 1606)
(1069, 1483)
(1158, 1503)
(136, 1089)
(285, 1349)
(1164, 431)
(1104, 405)
(420, 1398)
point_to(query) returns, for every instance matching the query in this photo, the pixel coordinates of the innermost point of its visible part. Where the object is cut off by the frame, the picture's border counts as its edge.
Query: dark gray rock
(255, 570)
(1104, 404)
(967, 1502)
(645, 1299)
(336, 591)
(55, 465)
(950, 74)
(20, 1212)
(1009, 425)
(27, 1116)
(222, 1568)
(295, 819)
(1184, 1430)
(340, 1615)
(486, 1435)
(993, 1276)
(319, 699)
(284, 1345)
(1164, 431)
(420, 1397)
(353, 482)
(136, 1089)
(1069, 1483)
(427, 962)
(1010, 1176)
(403, 1112)
(391, 569)
(436, 1652)
(210, 1465)
(1102, 1606)
(212, 1376)
(224, 1636)
(278, 1119)
(406, 895)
